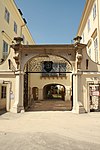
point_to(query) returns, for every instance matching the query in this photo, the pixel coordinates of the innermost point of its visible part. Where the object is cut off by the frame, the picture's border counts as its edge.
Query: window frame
(7, 15)
(5, 49)
(3, 92)
(15, 27)
(56, 70)
(94, 11)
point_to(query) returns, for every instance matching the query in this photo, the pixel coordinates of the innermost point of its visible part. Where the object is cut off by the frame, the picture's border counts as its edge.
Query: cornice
(85, 15)
(72, 47)
(21, 18)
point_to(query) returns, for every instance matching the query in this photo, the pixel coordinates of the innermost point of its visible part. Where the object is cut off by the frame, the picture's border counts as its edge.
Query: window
(5, 49)
(7, 15)
(58, 70)
(94, 11)
(96, 49)
(88, 25)
(87, 63)
(3, 92)
(15, 27)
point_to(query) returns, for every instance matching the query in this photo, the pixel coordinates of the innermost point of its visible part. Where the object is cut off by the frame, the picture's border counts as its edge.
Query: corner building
(12, 24)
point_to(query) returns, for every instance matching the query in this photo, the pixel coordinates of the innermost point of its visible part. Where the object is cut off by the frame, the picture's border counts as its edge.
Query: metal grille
(26, 90)
(60, 65)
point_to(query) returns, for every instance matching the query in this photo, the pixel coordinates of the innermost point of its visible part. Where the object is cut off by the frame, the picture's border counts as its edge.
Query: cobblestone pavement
(49, 131)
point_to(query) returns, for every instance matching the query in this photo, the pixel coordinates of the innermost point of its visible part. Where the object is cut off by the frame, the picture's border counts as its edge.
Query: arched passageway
(37, 76)
(39, 65)
(54, 92)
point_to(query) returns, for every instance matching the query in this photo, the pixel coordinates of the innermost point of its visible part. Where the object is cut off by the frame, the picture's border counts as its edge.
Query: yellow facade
(12, 25)
(10, 15)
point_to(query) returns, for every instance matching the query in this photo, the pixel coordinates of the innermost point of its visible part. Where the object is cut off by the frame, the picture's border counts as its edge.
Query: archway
(31, 55)
(37, 76)
(54, 92)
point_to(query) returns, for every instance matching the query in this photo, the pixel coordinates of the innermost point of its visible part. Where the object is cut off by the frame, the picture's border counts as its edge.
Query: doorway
(35, 93)
(54, 92)
(94, 97)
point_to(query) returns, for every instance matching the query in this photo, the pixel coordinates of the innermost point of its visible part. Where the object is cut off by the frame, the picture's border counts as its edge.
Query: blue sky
(52, 21)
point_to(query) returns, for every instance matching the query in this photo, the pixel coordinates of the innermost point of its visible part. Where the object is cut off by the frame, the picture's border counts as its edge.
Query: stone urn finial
(18, 40)
(77, 39)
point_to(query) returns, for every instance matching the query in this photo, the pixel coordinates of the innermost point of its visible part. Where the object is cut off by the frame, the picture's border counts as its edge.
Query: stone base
(79, 109)
(17, 109)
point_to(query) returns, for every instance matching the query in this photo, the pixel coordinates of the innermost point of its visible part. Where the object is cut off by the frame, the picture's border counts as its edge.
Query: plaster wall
(7, 29)
(35, 80)
(10, 93)
(88, 36)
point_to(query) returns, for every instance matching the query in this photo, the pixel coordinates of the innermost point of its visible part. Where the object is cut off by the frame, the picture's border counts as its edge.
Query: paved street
(49, 131)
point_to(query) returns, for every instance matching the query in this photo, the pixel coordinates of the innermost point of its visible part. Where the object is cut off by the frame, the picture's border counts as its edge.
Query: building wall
(89, 28)
(7, 32)
(10, 84)
(35, 80)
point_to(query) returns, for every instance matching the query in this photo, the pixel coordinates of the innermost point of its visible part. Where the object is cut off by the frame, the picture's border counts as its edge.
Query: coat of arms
(48, 66)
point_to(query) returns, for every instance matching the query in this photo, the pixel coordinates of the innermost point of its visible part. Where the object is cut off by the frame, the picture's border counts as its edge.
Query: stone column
(75, 93)
(19, 91)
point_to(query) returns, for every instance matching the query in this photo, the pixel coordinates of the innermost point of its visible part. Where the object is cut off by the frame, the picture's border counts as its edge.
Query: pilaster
(77, 95)
(18, 105)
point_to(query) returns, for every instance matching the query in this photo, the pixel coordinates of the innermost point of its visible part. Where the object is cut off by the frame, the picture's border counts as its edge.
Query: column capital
(19, 72)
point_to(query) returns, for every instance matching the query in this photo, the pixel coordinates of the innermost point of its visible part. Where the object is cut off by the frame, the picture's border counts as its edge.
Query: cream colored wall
(83, 29)
(8, 102)
(4, 66)
(86, 76)
(35, 80)
(93, 25)
(8, 28)
(92, 66)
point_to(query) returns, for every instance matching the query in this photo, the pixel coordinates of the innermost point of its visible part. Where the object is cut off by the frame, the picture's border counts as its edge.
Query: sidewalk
(50, 131)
